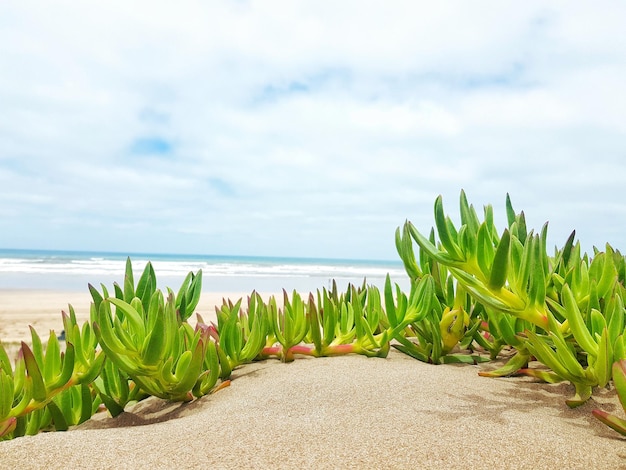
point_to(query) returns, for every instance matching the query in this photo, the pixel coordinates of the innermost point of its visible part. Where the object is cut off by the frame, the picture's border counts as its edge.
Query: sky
(306, 128)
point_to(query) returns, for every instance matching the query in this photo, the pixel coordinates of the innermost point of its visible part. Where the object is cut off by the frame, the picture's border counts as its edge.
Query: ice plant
(555, 352)
(38, 377)
(372, 338)
(424, 329)
(619, 380)
(473, 288)
(88, 359)
(116, 389)
(74, 406)
(288, 323)
(454, 320)
(242, 336)
(347, 324)
(149, 340)
(596, 340)
(589, 299)
(331, 326)
(163, 358)
(507, 273)
(44, 379)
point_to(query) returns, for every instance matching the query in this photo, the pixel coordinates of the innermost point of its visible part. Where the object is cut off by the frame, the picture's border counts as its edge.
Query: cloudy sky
(305, 128)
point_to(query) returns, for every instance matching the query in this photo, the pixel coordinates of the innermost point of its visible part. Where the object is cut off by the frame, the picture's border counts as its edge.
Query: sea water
(74, 270)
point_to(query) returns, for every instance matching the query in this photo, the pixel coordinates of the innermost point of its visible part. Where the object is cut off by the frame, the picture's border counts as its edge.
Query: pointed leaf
(499, 267)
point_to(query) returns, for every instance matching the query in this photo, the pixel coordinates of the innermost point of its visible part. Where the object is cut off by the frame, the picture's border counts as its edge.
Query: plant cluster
(476, 295)
(564, 310)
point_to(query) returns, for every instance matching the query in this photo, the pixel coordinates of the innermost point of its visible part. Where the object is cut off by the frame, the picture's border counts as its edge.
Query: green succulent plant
(565, 311)
(242, 336)
(161, 356)
(619, 379)
(28, 390)
(474, 289)
(148, 339)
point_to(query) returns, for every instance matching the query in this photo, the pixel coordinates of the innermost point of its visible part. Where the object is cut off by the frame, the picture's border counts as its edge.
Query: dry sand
(341, 412)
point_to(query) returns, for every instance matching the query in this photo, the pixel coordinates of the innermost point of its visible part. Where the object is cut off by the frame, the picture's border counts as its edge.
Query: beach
(340, 412)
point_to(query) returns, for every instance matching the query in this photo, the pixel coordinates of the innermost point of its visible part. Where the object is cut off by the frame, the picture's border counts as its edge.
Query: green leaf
(598, 323)
(314, 325)
(111, 405)
(94, 369)
(86, 404)
(329, 318)
(188, 375)
(8, 426)
(37, 347)
(619, 380)
(146, 286)
(490, 226)
(52, 358)
(129, 283)
(60, 424)
(68, 369)
(193, 295)
(95, 295)
(510, 213)
(183, 364)
(499, 267)
(404, 246)
(516, 284)
(153, 351)
(616, 320)
(225, 368)
(537, 289)
(567, 358)
(604, 361)
(208, 378)
(463, 359)
(5, 362)
(583, 393)
(468, 215)
(522, 232)
(34, 372)
(443, 225)
(484, 250)
(538, 347)
(609, 274)
(256, 341)
(526, 263)
(6, 395)
(429, 248)
(506, 328)
(567, 249)
(390, 306)
(612, 421)
(577, 323)
(26, 394)
(543, 375)
(134, 318)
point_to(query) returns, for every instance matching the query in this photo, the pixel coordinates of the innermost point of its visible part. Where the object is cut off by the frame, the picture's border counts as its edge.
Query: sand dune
(342, 412)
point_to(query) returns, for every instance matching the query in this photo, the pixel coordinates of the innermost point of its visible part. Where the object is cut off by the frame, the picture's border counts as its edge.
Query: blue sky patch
(151, 146)
(152, 116)
(222, 187)
(324, 77)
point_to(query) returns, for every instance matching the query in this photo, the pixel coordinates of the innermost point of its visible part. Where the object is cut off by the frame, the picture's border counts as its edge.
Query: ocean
(74, 270)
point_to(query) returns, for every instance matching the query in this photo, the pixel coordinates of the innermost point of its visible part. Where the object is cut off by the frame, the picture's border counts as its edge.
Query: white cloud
(304, 128)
